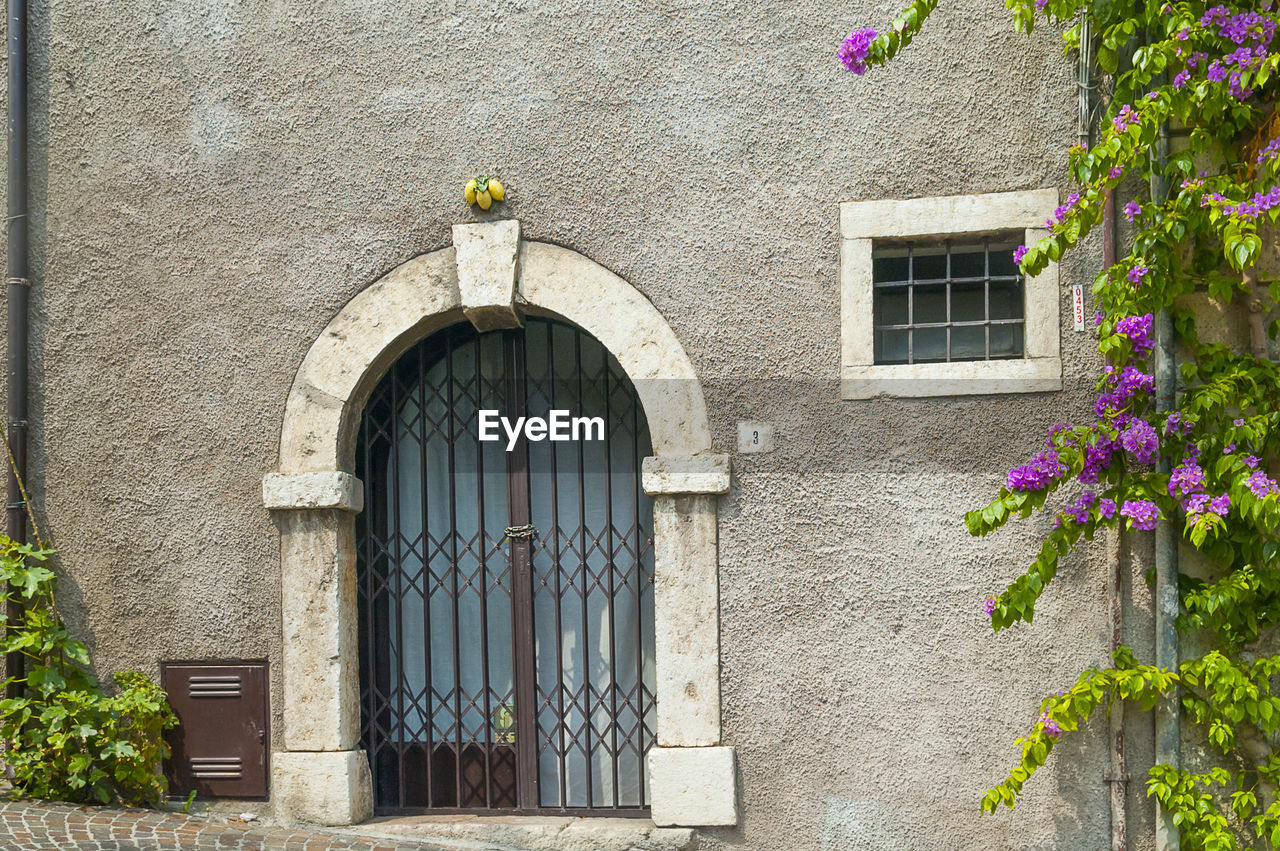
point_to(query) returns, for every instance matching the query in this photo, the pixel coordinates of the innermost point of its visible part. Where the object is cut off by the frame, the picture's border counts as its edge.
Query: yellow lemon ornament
(484, 191)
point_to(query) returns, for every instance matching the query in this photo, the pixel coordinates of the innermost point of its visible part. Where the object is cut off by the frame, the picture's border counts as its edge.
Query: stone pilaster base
(693, 787)
(321, 787)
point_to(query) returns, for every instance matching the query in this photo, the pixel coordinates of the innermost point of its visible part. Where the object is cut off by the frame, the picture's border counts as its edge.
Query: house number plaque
(755, 437)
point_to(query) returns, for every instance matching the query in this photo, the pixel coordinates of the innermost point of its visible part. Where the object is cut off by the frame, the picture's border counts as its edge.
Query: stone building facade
(246, 214)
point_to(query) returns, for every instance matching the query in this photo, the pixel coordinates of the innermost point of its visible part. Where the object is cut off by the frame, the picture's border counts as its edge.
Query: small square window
(943, 300)
(932, 304)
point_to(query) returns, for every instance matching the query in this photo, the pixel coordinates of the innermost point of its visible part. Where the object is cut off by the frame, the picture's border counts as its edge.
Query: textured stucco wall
(216, 179)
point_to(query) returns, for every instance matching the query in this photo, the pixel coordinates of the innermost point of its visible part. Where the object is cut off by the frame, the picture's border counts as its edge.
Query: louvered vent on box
(220, 744)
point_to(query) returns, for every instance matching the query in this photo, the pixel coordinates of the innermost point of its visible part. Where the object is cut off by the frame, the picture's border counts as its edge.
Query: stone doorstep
(525, 833)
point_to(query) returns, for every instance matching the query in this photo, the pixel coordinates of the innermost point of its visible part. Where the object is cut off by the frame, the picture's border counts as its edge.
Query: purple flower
(1239, 421)
(1250, 461)
(1141, 440)
(1261, 484)
(1176, 425)
(1141, 513)
(1018, 254)
(1038, 473)
(1137, 273)
(1096, 459)
(1126, 119)
(1253, 207)
(989, 606)
(1186, 479)
(1115, 172)
(854, 49)
(1061, 212)
(1180, 79)
(1138, 330)
(1107, 508)
(1051, 728)
(1241, 58)
(1055, 430)
(1201, 503)
(1228, 449)
(1240, 28)
(1131, 210)
(1216, 73)
(1195, 504)
(1079, 510)
(1099, 317)
(1123, 384)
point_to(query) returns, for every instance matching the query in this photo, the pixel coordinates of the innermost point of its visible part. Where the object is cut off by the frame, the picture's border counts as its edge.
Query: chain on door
(506, 597)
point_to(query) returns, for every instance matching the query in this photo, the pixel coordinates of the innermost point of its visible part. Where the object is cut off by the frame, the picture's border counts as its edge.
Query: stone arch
(490, 276)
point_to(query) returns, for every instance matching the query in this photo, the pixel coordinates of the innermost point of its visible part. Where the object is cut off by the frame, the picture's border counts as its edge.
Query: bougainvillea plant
(1208, 70)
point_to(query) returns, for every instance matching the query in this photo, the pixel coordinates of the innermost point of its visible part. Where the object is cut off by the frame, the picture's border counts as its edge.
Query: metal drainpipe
(1167, 717)
(19, 288)
(1117, 778)
(1086, 71)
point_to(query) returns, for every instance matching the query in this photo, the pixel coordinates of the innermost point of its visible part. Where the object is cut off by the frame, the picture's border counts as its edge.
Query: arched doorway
(506, 609)
(321, 774)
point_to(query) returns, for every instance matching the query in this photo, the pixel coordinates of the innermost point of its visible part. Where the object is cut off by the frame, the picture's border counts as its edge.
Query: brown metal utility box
(220, 745)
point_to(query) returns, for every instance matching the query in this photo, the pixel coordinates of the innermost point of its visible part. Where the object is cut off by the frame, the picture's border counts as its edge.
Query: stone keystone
(487, 255)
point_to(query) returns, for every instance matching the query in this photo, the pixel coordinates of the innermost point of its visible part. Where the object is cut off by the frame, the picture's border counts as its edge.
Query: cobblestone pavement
(37, 825)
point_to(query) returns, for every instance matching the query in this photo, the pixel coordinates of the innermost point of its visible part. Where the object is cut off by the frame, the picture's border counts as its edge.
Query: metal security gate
(506, 597)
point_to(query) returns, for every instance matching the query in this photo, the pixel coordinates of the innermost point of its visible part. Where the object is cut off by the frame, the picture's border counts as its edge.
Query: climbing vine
(64, 737)
(1207, 463)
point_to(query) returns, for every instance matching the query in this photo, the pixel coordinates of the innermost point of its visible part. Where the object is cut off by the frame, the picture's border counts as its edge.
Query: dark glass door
(506, 597)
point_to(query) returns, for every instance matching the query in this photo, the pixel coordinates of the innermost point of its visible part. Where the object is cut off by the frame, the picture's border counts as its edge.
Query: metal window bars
(506, 599)
(947, 300)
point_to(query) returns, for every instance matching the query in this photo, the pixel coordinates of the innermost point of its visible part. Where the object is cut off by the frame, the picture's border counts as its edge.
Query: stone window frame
(941, 217)
(490, 277)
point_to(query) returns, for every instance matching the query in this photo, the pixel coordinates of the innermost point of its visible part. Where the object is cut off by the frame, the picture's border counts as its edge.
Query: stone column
(692, 777)
(321, 776)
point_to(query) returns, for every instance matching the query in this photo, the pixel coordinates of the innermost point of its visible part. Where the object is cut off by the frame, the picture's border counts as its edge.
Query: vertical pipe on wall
(1117, 777)
(1255, 297)
(1168, 721)
(18, 285)
(1086, 73)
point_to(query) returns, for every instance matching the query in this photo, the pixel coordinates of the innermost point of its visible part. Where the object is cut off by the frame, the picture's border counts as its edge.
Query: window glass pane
(989, 288)
(1006, 341)
(967, 262)
(1006, 300)
(930, 304)
(891, 306)
(930, 262)
(930, 344)
(1002, 259)
(968, 302)
(969, 343)
(889, 265)
(891, 346)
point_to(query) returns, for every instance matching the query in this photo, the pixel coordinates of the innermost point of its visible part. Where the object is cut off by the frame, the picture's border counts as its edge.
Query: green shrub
(64, 738)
